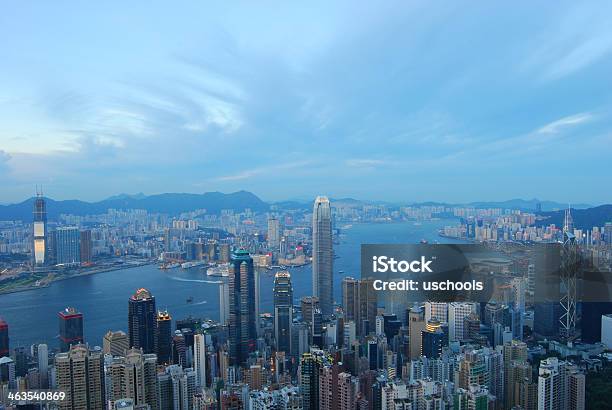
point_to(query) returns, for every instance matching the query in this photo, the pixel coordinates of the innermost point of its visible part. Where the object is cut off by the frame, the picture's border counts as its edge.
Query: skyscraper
(86, 247)
(199, 351)
(4, 338)
(43, 365)
(224, 303)
(163, 337)
(142, 320)
(322, 255)
(273, 233)
(115, 343)
(70, 328)
(40, 230)
(134, 376)
(457, 311)
(242, 333)
(80, 374)
(283, 311)
(67, 245)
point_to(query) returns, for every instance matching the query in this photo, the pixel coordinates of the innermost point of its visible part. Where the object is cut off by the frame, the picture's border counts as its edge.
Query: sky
(410, 101)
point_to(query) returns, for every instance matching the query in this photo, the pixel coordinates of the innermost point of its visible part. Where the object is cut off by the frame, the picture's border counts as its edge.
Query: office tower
(199, 348)
(368, 303)
(242, 321)
(519, 289)
(40, 230)
(70, 328)
(142, 320)
(350, 298)
(115, 343)
(4, 338)
(283, 311)
(547, 309)
(179, 349)
(310, 366)
(433, 339)
(437, 310)
(43, 365)
(274, 233)
(134, 376)
(86, 247)
(80, 374)
(224, 303)
(416, 324)
(163, 337)
(308, 305)
(457, 311)
(322, 255)
(176, 388)
(67, 245)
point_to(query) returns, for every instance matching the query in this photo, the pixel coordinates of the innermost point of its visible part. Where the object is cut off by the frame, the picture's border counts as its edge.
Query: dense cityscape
(315, 352)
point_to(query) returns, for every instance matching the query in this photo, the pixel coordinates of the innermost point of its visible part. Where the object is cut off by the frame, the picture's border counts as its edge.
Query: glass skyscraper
(142, 317)
(40, 231)
(70, 328)
(68, 245)
(242, 334)
(322, 255)
(283, 311)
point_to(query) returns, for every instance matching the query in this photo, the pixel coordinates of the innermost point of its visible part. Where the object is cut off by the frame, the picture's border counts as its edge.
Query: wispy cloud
(565, 122)
(264, 170)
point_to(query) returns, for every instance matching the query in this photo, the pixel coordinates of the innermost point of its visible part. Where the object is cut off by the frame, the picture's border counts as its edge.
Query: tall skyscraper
(242, 333)
(42, 351)
(67, 245)
(322, 255)
(283, 311)
(86, 247)
(224, 303)
(4, 338)
(274, 233)
(199, 352)
(80, 373)
(163, 337)
(142, 320)
(70, 328)
(350, 299)
(457, 312)
(40, 230)
(416, 324)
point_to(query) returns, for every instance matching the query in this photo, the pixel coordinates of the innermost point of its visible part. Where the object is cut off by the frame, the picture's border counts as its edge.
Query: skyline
(456, 103)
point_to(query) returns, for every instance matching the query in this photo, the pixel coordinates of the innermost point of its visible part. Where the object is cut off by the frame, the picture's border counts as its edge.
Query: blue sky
(403, 101)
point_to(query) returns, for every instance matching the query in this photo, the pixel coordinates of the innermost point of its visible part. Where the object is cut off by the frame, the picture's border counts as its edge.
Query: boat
(188, 265)
(173, 265)
(218, 270)
(424, 241)
(190, 299)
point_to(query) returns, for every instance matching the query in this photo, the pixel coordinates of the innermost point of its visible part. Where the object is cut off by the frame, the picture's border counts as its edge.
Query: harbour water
(102, 298)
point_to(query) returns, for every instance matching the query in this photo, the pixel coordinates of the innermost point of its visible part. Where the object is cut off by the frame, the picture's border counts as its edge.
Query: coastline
(87, 272)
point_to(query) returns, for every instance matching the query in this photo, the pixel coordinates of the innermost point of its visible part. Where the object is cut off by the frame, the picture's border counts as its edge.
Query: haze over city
(455, 102)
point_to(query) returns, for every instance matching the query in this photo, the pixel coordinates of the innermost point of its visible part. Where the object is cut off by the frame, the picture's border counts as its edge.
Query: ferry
(188, 265)
(218, 270)
(172, 265)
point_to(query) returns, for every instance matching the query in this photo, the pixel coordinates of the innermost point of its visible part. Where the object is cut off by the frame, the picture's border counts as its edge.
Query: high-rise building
(43, 365)
(416, 325)
(199, 352)
(163, 337)
(142, 320)
(274, 233)
(80, 374)
(67, 245)
(134, 376)
(322, 255)
(115, 343)
(40, 230)
(350, 298)
(70, 328)
(176, 388)
(86, 247)
(606, 330)
(224, 303)
(283, 311)
(242, 322)
(348, 387)
(437, 310)
(457, 311)
(4, 338)
(308, 305)
(368, 304)
(432, 339)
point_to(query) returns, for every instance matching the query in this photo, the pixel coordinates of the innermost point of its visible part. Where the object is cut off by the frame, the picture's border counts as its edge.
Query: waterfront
(102, 298)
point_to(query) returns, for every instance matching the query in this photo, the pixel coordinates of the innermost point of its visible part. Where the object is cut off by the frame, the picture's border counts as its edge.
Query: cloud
(565, 122)
(262, 171)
